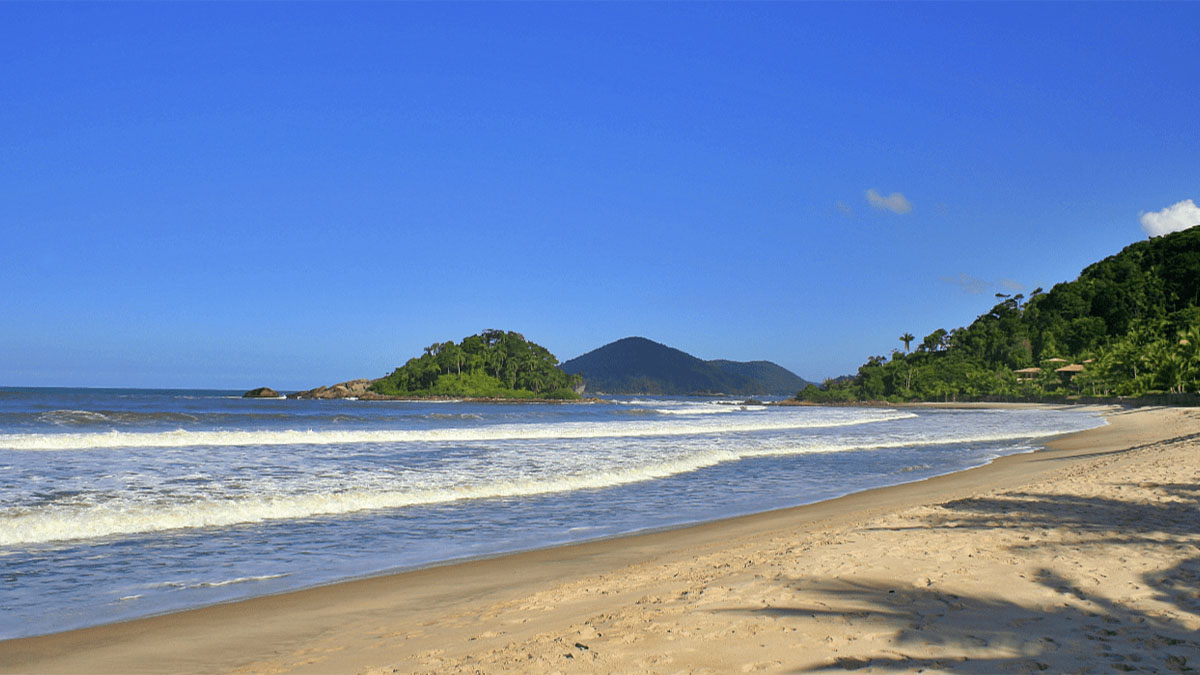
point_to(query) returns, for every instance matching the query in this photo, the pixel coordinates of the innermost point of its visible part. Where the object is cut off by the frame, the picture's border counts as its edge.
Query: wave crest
(499, 432)
(67, 521)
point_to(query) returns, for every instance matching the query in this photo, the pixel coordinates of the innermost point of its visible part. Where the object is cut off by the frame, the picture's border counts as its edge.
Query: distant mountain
(635, 365)
(769, 378)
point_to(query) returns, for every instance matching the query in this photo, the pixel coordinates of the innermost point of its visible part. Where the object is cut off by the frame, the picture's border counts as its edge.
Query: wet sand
(1085, 556)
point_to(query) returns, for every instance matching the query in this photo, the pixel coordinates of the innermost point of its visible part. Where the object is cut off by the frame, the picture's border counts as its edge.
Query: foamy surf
(170, 501)
(70, 521)
(125, 518)
(180, 438)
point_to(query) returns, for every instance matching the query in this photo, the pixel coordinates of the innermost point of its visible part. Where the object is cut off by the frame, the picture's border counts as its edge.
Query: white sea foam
(215, 584)
(691, 407)
(498, 432)
(58, 522)
(108, 417)
(133, 517)
(239, 580)
(72, 416)
(195, 524)
(709, 409)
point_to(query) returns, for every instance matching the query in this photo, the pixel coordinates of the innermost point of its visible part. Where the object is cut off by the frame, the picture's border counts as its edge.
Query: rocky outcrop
(358, 389)
(349, 389)
(261, 392)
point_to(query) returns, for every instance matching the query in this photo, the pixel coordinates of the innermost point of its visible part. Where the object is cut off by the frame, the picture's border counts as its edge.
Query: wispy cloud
(1176, 217)
(895, 202)
(844, 208)
(977, 286)
(968, 283)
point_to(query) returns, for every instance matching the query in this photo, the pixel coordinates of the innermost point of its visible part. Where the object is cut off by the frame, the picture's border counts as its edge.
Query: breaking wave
(62, 522)
(498, 432)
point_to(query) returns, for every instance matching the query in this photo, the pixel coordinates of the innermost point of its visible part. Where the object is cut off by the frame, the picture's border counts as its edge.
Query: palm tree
(907, 339)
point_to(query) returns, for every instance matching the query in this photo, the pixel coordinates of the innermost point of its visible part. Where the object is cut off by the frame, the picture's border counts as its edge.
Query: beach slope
(1082, 556)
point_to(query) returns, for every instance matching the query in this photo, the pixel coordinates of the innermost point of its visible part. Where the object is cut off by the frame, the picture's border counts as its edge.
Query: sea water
(116, 504)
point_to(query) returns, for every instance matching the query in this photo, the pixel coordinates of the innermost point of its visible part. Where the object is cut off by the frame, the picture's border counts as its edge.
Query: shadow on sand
(1075, 630)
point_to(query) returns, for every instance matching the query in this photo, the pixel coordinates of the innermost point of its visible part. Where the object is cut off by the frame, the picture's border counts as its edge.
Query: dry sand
(1083, 557)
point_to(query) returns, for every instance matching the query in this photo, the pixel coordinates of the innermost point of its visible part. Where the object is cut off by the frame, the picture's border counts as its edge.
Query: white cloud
(969, 283)
(1176, 217)
(895, 202)
(844, 208)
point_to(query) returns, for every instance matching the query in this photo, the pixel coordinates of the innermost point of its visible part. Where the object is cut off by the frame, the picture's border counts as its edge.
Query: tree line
(491, 364)
(1128, 326)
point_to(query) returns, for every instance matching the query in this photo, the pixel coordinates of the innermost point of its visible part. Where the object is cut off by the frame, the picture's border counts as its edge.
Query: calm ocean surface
(122, 503)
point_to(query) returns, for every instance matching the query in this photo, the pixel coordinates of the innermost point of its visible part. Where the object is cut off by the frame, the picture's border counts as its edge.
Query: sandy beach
(1081, 557)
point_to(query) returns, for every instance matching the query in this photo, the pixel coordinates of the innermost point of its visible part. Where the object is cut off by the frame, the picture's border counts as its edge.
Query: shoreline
(346, 626)
(634, 530)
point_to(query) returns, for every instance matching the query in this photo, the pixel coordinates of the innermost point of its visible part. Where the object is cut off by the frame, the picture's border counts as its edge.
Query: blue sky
(237, 195)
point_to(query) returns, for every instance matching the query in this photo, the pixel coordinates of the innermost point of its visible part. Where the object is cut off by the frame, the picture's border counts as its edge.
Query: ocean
(121, 503)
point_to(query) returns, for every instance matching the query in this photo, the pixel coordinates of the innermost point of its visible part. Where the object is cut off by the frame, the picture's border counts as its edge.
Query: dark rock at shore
(261, 392)
(359, 389)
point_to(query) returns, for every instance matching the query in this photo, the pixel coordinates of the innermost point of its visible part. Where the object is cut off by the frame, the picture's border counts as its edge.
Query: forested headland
(492, 364)
(1129, 326)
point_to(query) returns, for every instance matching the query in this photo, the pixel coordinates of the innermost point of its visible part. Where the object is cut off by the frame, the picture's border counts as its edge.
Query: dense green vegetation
(1128, 326)
(493, 364)
(766, 377)
(635, 365)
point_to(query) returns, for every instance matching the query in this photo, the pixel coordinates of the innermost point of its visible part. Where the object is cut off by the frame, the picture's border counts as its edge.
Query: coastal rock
(349, 389)
(261, 392)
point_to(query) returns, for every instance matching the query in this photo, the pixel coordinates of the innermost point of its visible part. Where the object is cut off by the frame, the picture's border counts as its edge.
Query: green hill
(768, 377)
(492, 364)
(1128, 326)
(635, 365)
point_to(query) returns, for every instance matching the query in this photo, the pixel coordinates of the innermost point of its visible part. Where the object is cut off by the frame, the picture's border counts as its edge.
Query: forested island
(1129, 326)
(492, 364)
(502, 365)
